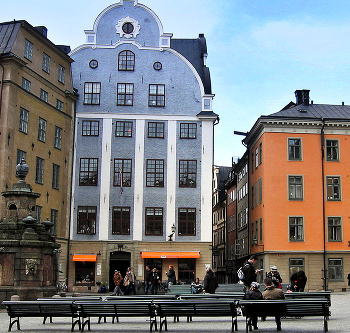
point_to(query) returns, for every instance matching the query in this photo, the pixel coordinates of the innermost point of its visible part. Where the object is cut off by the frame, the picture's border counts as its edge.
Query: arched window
(126, 61)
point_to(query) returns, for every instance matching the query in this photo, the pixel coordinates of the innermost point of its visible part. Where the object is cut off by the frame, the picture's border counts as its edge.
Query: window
(84, 273)
(256, 157)
(38, 211)
(188, 131)
(260, 191)
(334, 229)
(46, 63)
(155, 130)
(296, 265)
(155, 173)
(92, 92)
(61, 73)
(21, 155)
(123, 129)
(43, 95)
(295, 185)
(121, 221)
(86, 219)
(122, 170)
(39, 171)
(88, 171)
(58, 137)
(156, 95)
(294, 149)
(186, 269)
(187, 222)
(23, 120)
(187, 173)
(28, 50)
(252, 161)
(125, 94)
(55, 176)
(253, 196)
(332, 150)
(296, 228)
(333, 188)
(42, 130)
(25, 84)
(54, 220)
(126, 61)
(154, 221)
(260, 152)
(90, 128)
(261, 230)
(59, 105)
(335, 269)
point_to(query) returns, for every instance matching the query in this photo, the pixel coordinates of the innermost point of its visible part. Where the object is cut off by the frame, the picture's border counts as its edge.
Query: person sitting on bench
(272, 292)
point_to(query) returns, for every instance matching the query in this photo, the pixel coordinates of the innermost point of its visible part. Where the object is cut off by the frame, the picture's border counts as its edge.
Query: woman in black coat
(210, 282)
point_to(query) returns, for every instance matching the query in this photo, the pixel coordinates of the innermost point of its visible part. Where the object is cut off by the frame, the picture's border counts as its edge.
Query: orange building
(298, 192)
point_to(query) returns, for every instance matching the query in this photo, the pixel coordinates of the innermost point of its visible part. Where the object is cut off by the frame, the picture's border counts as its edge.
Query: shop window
(84, 273)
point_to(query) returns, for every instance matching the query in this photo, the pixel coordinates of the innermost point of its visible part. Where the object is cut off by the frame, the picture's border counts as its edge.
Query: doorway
(119, 260)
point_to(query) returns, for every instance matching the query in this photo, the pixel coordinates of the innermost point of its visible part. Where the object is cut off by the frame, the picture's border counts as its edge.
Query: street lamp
(173, 229)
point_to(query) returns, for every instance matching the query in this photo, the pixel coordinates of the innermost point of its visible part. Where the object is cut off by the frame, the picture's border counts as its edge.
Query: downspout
(1, 85)
(323, 208)
(216, 121)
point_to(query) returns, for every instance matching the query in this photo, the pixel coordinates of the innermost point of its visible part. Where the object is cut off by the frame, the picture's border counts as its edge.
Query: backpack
(240, 273)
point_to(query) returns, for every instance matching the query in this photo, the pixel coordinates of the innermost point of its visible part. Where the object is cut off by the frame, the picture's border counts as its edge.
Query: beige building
(37, 121)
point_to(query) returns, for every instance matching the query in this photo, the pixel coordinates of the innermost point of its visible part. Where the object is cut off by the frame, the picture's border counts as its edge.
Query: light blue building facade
(142, 178)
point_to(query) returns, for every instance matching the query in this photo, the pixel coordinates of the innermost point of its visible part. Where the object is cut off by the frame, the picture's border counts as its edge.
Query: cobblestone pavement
(339, 323)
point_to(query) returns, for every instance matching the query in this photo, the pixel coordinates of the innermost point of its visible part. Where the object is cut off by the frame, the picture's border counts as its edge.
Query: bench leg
(325, 324)
(13, 322)
(77, 321)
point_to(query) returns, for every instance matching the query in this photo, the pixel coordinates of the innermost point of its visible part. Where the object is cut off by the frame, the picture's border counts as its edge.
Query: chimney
(42, 30)
(302, 96)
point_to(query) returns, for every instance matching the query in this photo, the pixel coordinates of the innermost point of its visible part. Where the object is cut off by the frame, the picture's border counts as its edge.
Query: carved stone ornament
(31, 266)
(128, 27)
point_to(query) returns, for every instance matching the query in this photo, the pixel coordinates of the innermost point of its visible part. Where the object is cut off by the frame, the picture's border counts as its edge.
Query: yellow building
(37, 121)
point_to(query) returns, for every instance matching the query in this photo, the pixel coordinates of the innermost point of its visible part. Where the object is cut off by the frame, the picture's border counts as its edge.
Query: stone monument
(28, 251)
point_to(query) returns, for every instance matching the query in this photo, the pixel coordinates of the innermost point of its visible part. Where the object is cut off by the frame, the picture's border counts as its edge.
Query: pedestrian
(250, 273)
(349, 281)
(210, 282)
(196, 287)
(275, 276)
(171, 276)
(129, 281)
(117, 279)
(253, 293)
(155, 280)
(271, 292)
(298, 281)
(148, 274)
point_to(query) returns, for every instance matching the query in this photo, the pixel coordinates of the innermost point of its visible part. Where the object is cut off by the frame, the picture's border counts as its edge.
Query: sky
(259, 51)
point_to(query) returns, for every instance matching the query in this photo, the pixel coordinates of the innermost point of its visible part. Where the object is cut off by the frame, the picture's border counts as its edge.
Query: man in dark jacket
(171, 276)
(272, 292)
(250, 272)
(148, 275)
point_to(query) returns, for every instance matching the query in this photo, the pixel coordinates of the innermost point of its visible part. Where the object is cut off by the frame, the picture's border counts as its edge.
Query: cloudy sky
(259, 51)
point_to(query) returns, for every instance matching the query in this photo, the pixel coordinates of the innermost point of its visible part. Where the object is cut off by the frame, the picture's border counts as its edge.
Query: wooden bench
(41, 309)
(115, 310)
(286, 308)
(141, 297)
(229, 296)
(230, 287)
(179, 289)
(208, 308)
(310, 295)
(70, 298)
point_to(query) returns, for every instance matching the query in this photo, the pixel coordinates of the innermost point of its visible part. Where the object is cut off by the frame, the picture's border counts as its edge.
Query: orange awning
(171, 255)
(84, 257)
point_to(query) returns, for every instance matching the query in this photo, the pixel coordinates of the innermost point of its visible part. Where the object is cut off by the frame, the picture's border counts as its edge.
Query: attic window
(128, 28)
(302, 111)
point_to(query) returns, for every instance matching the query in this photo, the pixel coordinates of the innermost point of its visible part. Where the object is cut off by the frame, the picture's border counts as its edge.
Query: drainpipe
(1, 85)
(323, 208)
